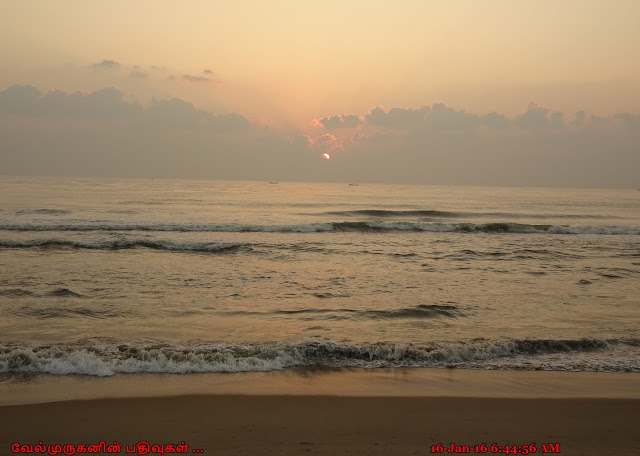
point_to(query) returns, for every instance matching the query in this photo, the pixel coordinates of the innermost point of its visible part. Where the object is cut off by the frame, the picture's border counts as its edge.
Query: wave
(43, 211)
(67, 311)
(58, 292)
(504, 255)
(382, 213)
(16, 292)
(218, 247)
(416, 312)
(102, 357)
(64, 292)
(377, 213)
(369, 226)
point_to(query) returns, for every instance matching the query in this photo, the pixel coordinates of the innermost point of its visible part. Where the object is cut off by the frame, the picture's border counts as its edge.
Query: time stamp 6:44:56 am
(496, 448)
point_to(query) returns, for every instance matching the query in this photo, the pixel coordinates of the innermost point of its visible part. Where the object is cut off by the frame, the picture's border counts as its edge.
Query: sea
(106, 276)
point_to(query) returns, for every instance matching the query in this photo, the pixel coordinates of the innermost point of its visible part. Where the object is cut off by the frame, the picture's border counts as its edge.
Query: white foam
(96, 358)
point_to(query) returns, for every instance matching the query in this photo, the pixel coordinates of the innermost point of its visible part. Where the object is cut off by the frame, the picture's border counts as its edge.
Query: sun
(326, 156)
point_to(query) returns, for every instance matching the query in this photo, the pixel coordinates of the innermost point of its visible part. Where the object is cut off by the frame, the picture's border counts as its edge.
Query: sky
(461, 92)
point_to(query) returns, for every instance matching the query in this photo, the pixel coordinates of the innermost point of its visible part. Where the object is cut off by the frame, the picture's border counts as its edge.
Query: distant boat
(273, 182)
(354, 184)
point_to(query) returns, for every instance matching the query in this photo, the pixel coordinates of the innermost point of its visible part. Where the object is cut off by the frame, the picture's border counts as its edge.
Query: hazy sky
(528, 92)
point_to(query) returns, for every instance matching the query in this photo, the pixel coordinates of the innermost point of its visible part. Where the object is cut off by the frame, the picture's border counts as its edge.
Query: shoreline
(385, 382)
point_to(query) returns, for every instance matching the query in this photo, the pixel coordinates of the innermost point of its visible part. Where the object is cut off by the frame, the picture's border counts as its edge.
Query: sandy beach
(269, 425)
(304, 420)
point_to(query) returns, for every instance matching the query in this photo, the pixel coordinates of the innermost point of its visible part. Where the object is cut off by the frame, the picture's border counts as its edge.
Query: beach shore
(300, 419)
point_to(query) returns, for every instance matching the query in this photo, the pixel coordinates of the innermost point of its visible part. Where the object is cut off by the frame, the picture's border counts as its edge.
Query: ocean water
(105, 276)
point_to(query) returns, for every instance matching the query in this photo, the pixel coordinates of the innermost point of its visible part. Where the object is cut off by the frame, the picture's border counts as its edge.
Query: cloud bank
(338, 121)
(110, 104)
(104, 133)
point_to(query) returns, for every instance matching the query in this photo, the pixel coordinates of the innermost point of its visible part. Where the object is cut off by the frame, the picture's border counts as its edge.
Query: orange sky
(293, 61)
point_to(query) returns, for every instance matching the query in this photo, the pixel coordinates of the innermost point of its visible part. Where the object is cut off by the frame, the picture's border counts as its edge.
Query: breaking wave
(419, 311)
(365, 226)
(43, 211)
(219, 247)
(101, 357)
(382, 213)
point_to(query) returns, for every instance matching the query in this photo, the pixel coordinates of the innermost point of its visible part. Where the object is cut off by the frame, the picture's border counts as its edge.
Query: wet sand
(303, 420)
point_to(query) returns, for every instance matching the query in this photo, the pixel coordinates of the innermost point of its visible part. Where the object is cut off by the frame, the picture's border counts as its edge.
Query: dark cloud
(177, 113)
(301, 141)
(630, 120)
(326, 143)
(19, 99)
(39, 134)
(207, 71)
(106, 65)
(540, 147)
(375, 138)
(338, 121)
(190, 78)
(199, 79)
(495, 120)
(436, 116)
(442, 116)
(580, 119)
(228, 122)
(536, 148)
(557, 120)
(174, 113)
(106, 103)
(397, 117)
(210, 79)
(535, 117)
(110, 103)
